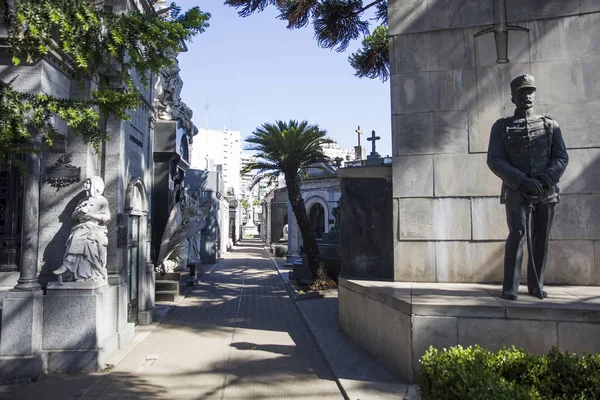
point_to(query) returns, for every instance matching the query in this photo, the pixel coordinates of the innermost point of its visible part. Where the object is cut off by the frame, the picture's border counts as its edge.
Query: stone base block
(75, 361)
(20, 367)
(250, 231)
(146, 317)
(126, 334)
(21, 323)
(398, 321)
(78, 333)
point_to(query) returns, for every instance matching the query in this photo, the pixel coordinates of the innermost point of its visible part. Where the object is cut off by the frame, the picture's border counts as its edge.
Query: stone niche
(366, 237)
(446, 91)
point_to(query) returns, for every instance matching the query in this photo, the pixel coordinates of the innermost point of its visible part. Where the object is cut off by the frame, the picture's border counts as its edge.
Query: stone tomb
(398, 321)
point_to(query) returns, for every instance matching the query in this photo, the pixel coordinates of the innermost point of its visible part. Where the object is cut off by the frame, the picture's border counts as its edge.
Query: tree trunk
(309, 238)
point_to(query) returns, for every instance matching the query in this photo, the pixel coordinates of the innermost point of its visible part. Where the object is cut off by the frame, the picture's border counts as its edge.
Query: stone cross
(359, 132)
(373, 139)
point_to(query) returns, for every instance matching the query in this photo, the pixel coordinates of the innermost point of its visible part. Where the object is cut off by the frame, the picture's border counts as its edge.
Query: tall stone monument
(173, 136)
(250, 229)
(448, 87)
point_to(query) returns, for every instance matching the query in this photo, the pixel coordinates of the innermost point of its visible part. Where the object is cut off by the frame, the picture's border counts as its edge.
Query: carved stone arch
(312, 202)
(136, 197)
(134, 238)
(317, 199)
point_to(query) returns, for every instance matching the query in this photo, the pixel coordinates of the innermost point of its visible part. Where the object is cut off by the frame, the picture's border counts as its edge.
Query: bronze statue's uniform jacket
(527, 147)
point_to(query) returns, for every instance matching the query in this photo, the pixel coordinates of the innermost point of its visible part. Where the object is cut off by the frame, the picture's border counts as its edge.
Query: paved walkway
(236, 335)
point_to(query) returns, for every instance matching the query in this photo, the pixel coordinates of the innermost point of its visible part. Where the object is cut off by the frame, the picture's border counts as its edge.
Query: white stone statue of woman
(85, 256)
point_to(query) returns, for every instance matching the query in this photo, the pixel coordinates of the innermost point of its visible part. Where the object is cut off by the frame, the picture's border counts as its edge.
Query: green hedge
(510, 374)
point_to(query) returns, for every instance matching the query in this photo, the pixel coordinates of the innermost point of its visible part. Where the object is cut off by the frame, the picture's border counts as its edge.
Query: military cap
(521, 82)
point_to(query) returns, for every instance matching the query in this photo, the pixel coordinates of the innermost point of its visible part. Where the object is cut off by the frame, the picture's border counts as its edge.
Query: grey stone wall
(447, 91)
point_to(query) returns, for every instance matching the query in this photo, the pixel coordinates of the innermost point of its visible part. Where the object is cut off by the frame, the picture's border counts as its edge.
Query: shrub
(475, 373)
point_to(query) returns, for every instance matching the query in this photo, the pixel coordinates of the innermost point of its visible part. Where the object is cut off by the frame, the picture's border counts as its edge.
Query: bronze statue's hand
(545, 180)
(531, 187)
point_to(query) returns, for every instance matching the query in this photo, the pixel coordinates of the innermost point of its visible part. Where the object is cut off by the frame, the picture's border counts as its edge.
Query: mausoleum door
(317, 219)
(11, 195)
(133, 250)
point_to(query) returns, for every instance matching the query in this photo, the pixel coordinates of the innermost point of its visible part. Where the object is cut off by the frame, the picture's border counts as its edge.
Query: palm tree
(287, 147)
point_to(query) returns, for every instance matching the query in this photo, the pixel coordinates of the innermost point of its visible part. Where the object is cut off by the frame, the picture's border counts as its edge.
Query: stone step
(166, 295)
(171, 276)
(167, 285)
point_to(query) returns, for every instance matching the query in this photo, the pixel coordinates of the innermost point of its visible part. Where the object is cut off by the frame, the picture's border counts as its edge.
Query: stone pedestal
(250, 230)
(398, 321)
(77, 326)
(21, 335)
(359, 153)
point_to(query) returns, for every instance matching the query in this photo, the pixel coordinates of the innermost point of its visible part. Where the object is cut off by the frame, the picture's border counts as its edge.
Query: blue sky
(253, 70)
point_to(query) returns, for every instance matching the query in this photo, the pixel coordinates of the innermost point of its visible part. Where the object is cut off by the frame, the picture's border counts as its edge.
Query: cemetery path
(237, 335)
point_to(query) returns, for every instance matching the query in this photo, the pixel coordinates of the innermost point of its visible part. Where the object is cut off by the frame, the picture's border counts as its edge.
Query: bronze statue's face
(524, 98)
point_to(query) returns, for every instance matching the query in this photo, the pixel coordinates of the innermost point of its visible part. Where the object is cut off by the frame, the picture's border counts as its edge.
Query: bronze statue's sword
(500, 29)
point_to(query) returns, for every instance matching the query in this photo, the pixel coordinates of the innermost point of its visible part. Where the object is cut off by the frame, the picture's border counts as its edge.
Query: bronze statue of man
(528, 153)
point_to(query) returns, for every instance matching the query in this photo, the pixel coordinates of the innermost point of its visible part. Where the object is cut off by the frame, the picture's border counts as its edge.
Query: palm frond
(286, 146)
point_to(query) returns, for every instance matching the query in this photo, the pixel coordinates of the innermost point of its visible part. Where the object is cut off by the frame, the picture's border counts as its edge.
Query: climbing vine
(112, 53)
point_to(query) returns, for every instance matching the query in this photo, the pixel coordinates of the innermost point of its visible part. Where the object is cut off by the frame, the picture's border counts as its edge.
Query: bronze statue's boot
(60, 270)
(510, 295)
(534, 292)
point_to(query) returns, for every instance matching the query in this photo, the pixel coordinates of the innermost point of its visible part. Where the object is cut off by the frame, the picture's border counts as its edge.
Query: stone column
(29, 240)
(293, 240)
(28, 279)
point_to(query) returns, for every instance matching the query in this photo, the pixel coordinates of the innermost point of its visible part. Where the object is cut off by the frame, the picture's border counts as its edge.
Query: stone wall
(447, 91)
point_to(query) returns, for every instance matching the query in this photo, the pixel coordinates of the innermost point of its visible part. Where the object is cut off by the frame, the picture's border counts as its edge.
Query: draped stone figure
(85, 254)
(187, 218)
(195, 241)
